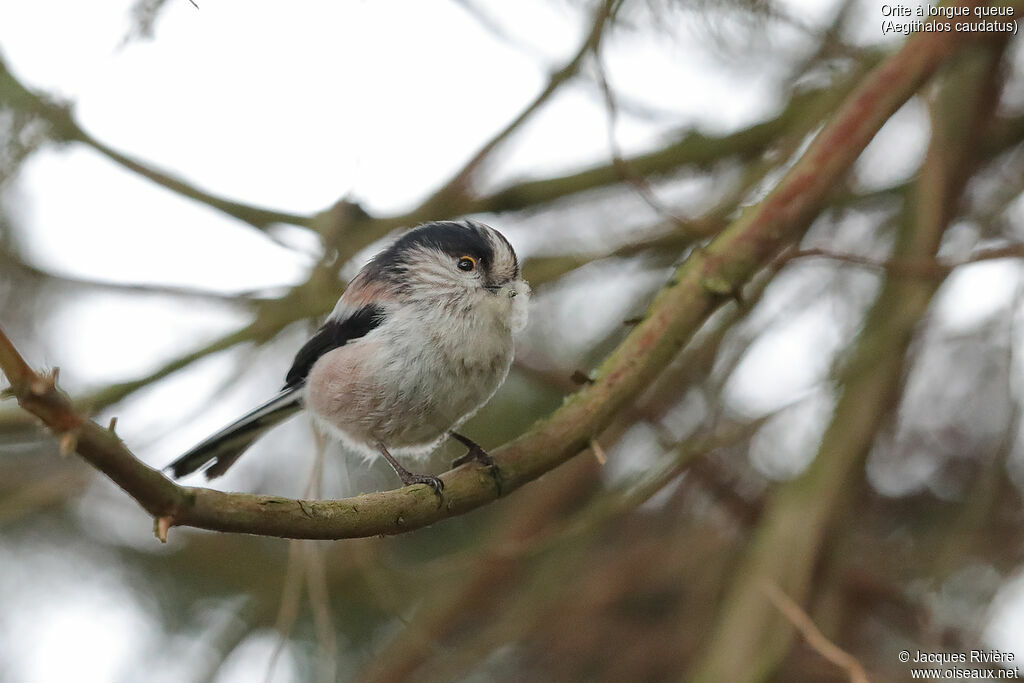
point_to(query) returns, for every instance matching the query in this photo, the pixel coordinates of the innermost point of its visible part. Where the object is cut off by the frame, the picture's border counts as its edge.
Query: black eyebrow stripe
(333, 334)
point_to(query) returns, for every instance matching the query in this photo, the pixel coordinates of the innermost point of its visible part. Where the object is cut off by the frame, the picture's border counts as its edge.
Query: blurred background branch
(800, 513)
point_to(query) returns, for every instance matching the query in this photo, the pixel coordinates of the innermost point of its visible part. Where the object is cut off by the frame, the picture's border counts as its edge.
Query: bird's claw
(431, 481)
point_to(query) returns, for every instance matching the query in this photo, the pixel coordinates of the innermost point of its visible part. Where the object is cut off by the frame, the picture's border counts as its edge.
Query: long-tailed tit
(419, 341)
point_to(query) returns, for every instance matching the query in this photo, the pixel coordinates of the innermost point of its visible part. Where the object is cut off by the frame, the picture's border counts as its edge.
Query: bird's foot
(408, 478)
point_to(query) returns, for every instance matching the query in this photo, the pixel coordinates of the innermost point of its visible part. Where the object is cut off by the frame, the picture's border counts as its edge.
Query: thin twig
(13, 261)
(461, 180)
(639, 184)
(258, 217)
(319, 602)
(317, 589)
(918, 267)
(494, 27)
(299, 572)
(291, 598)
(814, 637)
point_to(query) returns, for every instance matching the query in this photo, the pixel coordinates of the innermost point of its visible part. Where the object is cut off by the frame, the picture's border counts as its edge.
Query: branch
(360, 230)
(927, 267)
(639, 184)
(461, 180)
(699, 287)
(13, 261)
(258, 217)
(454, 198)
(65, 128)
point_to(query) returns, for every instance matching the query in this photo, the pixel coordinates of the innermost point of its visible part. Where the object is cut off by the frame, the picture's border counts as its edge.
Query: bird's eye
(467, 263)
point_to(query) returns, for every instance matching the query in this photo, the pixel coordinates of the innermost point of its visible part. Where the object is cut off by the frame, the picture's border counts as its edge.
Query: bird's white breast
(417, 376)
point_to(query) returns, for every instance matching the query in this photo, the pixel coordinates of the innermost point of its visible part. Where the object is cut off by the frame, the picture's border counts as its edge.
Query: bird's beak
(507, 289)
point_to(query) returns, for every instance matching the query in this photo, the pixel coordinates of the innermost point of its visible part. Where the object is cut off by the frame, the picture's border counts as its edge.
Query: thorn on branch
(68, 443)
(580, 377)
(714, 283)
(112, 427)
(160, 527)
(599, 453)
(43, 384)
(718, 286)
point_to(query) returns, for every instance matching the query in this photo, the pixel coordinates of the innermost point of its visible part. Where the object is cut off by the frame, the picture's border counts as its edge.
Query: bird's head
(465, 266)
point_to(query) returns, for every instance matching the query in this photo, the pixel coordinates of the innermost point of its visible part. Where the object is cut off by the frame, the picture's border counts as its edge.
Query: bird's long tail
(227, 445)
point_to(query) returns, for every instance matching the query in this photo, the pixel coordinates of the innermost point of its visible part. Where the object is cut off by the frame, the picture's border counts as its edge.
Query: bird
(419, 341)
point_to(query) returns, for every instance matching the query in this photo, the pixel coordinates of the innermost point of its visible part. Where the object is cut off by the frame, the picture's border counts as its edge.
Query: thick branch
(698, 288)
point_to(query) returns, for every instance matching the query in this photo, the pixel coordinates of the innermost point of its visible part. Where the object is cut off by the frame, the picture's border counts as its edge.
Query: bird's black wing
(331, 335)
(227, 445)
